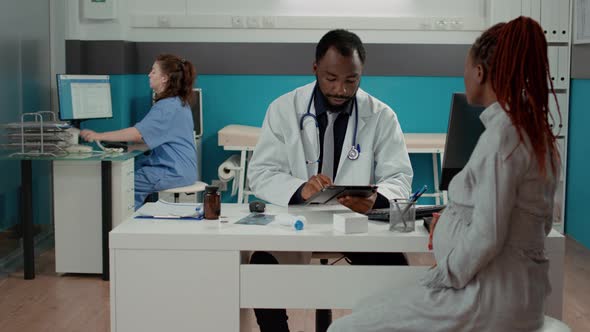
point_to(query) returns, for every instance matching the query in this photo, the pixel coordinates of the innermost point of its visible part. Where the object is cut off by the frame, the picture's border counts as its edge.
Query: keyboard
(112, 147)
(115, 145)
(421, 212)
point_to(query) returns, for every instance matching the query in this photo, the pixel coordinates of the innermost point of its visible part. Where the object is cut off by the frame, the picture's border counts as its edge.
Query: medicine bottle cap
(298, 225)
(211, 189)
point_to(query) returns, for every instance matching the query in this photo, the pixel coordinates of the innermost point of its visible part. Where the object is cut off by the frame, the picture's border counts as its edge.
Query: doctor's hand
(90, 135)
(358, 204)
(315, 184)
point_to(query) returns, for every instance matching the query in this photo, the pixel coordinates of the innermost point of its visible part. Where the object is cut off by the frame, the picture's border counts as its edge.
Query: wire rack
(37, 134)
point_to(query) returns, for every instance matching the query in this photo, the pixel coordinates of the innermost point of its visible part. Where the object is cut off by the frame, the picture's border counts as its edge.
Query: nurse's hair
(181, 76)
(345, 42)
(514, 58)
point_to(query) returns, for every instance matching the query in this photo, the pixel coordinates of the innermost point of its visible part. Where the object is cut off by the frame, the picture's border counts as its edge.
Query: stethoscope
(355, 150)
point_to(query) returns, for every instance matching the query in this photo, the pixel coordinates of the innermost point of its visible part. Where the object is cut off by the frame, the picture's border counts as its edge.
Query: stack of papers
(166, 210)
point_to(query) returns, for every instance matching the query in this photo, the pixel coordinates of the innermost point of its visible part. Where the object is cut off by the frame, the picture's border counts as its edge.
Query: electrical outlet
(237, 22)
(456, 24)
(268, 22)
(441, 24)
(253, 22)
(163, 21)
(219, 184)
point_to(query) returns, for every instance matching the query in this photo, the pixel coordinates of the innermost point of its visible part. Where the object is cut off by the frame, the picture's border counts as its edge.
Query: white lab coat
(278, 166)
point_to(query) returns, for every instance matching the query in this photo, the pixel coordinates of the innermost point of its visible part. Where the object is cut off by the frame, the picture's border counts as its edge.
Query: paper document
(166, 210)
(256, 219)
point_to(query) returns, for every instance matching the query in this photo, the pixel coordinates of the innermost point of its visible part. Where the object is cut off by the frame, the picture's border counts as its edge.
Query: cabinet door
(559, 60)
(563, 70)
(563, 16)
(505, 10)
(552, 54)
(555, 20)
(123, 191)
(559, 198)
(532, 9)
(549, 18)
(558, 125)
(77, 214)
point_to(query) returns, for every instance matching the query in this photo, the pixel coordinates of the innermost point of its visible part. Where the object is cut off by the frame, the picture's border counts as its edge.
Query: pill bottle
(211, 203)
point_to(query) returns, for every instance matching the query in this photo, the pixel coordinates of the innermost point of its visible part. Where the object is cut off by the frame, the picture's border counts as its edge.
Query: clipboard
(328, 195)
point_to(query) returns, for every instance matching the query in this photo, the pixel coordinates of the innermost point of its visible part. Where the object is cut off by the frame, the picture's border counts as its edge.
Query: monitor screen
(84, 97)
(463, 132)
(197, 109)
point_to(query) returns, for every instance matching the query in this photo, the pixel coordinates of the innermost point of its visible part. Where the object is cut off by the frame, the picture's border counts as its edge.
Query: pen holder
(402, 215)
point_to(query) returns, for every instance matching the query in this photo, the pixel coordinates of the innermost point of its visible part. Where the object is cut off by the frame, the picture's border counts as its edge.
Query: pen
(170, 217)
(414, 197)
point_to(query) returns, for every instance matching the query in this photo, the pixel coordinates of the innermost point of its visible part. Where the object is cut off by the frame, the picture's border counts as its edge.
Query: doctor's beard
(337, 108)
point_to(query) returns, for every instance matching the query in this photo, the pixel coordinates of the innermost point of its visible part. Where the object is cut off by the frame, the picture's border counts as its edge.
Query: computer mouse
(257, 206)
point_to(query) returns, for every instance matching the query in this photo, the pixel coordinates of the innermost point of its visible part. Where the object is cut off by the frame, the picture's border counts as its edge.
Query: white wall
(376, 21)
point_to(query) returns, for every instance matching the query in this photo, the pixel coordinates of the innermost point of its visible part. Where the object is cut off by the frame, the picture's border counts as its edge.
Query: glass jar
(211, 203)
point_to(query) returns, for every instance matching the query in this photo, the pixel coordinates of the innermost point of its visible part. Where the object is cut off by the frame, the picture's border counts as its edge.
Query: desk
(244, 139)
(193, 276)
(104, 171)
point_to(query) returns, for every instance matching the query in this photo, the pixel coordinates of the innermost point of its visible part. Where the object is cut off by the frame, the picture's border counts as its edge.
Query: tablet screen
(329, 195)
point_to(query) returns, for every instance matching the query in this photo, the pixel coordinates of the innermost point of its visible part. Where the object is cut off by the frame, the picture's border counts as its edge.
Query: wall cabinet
(554, 17)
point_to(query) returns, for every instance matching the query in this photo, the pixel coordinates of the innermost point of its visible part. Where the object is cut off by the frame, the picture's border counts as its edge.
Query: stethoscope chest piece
(354, 153)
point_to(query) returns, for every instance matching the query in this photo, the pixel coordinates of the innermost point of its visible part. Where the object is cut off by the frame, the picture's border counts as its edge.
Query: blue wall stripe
(421, 103)
(578, 177)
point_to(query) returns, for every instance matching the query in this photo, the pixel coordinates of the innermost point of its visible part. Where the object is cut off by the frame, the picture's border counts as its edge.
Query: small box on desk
(350, 223)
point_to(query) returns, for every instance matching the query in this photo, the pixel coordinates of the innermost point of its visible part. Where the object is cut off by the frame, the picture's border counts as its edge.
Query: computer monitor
(197, 109)
(463, 132)
(83, 97)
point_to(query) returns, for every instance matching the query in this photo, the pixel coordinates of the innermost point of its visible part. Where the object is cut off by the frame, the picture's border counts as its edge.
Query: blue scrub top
(167, 130)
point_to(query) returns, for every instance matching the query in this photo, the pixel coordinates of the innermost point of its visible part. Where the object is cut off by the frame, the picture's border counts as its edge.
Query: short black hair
(344, 41)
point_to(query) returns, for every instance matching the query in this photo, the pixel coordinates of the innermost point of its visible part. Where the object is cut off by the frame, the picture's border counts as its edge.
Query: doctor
(329, 131)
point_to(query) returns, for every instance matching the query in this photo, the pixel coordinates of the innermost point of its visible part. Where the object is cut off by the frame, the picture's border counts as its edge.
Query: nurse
(329, 131)
(167, 130)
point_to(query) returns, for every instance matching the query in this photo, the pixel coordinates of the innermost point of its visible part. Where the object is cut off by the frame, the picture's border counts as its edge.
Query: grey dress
(491, 272)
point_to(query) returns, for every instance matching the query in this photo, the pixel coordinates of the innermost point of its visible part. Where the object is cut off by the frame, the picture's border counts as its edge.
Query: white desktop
(194, 275)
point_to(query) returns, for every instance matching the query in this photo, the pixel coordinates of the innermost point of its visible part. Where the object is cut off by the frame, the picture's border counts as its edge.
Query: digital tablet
(329, 195)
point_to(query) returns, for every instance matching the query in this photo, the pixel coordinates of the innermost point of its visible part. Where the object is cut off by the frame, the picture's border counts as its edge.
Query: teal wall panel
(421, 103)
(578, 177)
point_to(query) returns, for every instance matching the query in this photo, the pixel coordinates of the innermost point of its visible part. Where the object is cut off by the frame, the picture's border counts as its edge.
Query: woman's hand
(90, 135)
(435, 217)
(358, 204)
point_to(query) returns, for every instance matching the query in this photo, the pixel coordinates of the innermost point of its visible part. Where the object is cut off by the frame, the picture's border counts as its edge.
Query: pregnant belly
(450, 228)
